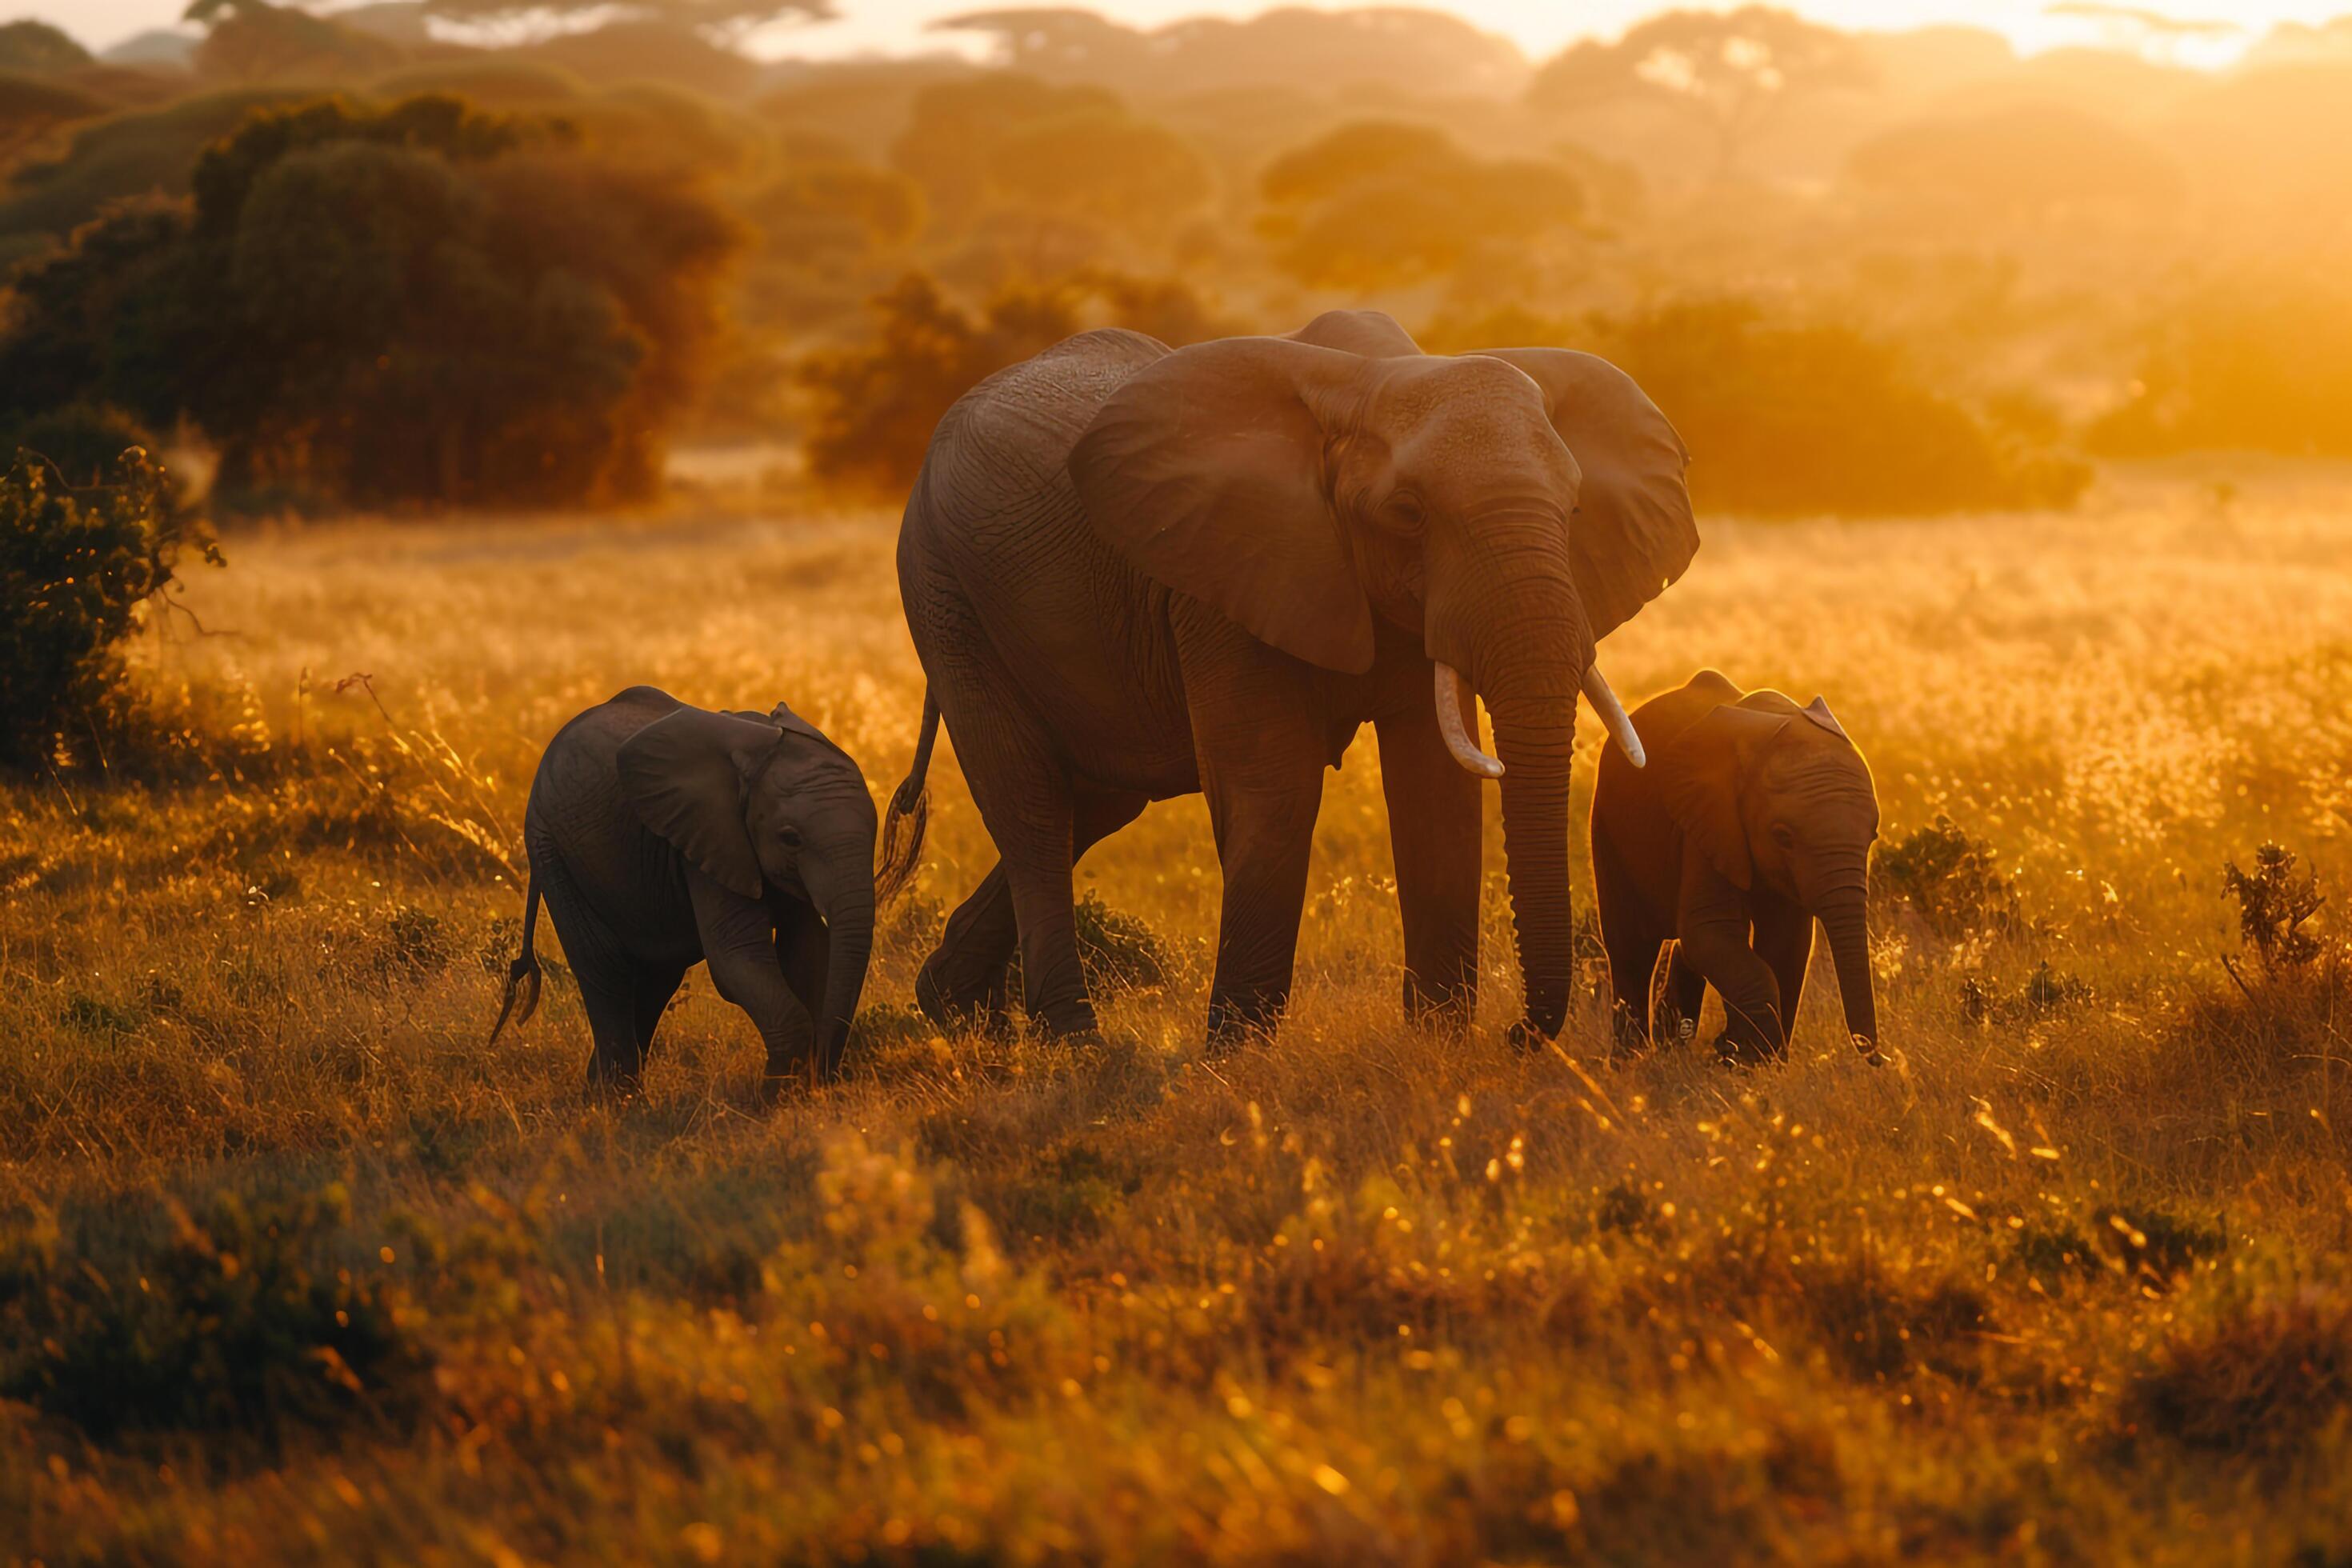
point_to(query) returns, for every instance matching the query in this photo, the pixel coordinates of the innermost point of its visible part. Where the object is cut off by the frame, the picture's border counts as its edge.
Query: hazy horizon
(1538, 26)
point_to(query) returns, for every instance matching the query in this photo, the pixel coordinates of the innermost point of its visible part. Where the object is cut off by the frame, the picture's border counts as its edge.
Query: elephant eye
(1402, 511)
(792, 837)
(1784, 835)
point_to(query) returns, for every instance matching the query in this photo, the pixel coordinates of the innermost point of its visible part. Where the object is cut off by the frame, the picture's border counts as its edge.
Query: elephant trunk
(1536, 737)
(848, 913)
(1846, 918)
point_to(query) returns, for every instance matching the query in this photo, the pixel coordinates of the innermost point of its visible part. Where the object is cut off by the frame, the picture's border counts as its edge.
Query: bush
(1786, 418)
(877, 403)
(2260, 1382)
(1948, 880)
(418, 303)
(238, 1325)
(2261, 365)
(76, 568)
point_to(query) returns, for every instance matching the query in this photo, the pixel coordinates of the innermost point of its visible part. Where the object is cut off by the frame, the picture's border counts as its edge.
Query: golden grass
(2065, 1284)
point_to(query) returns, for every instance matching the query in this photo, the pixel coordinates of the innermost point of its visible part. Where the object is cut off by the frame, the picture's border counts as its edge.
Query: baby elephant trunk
(1846, 919)
(847, 904)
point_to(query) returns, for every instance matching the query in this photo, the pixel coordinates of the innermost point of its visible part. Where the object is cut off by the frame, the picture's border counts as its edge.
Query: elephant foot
(1238, 1021)
(985, 1014)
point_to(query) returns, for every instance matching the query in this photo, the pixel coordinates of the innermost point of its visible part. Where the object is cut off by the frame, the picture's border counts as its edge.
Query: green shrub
(1949, 879)
(76, 569)
(240, 1324)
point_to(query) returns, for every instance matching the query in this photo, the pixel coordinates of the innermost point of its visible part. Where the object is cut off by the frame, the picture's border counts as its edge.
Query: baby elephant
(661, 834)
(1754, 818)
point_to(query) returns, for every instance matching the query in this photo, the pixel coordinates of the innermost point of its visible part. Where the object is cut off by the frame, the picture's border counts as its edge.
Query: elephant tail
(910, 810)
(523, 974)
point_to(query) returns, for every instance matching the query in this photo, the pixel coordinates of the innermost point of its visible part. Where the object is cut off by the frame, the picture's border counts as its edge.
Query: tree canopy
(420, 302)
(1734, 72)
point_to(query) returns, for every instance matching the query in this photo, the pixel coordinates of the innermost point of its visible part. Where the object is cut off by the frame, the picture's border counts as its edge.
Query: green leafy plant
(77, 569)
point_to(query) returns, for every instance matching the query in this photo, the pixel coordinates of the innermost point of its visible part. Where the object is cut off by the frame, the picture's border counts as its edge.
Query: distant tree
(33, 106)
(1381, 204)
(254, 41)
(2029, 162)
(736, 15)
(1788, 416)
(1734, 73)
(123, 156)
(420, 303)
(1134, 175)
(1424, 51)
(877, 403)
(2262, 364)
(955, 128)
(835, 205)
(37, 47)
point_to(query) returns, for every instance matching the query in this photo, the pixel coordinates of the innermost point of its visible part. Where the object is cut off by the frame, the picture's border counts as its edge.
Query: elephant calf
(662, 835)
(1754, 818)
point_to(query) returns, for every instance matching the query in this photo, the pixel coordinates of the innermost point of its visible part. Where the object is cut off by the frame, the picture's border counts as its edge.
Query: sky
(1540, 26)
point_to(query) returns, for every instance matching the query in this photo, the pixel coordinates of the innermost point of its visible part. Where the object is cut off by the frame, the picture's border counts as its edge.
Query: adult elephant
(1132, 573)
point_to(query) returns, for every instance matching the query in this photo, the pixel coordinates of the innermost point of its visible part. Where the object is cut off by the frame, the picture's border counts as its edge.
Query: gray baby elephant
(661, 834)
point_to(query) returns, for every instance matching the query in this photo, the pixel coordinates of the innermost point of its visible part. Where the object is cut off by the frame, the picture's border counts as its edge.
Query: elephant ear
(1818, 710)
(1634, 531)
(1205, 470)
(1375, 335)
(686, 776)
(1700, 774)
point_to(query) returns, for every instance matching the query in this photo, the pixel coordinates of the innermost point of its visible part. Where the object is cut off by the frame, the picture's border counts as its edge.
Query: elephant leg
(1435, 828)
(607, 978)
(962, 984)
(965, 982)
(655, 985)
(1631, 939)
(739, 943)
(1715, 922)
(1677, 999)
(1784, 940)
(1259, 734)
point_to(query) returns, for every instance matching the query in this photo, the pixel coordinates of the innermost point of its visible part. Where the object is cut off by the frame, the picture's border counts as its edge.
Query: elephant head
(1774, 794)
(1509, 509)
(768, 803)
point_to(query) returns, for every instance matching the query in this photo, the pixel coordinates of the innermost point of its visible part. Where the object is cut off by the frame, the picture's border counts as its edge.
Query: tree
(727, 15)
(1733, 73)
(254, 41)
(30, 46)
(33, 106)
(877, 403)
(1383, 203)
(419, 303)
(2032, 162)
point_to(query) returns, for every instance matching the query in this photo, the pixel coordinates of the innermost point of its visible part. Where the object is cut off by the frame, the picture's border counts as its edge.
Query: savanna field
(294, 1267)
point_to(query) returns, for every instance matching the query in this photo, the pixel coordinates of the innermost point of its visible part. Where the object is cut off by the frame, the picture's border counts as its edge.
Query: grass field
(292, 1267)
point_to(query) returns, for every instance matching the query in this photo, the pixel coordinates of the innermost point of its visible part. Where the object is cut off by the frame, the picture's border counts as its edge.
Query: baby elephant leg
(608, 981)
(739, 943)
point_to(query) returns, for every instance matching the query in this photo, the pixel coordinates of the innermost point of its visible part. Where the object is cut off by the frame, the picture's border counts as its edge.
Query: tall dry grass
(2065, 1282)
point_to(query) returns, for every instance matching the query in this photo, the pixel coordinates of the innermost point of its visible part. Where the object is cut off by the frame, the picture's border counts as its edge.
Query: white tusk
(1451, 689)
(1612, 714)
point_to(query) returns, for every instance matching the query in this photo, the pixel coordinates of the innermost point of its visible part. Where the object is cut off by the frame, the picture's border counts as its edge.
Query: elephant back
(1010, 436)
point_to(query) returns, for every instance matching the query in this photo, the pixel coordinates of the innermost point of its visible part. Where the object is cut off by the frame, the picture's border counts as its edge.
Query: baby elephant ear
(1634, 531)
(1818, 710)
(686, 775)
(1205, 470)
(1700, 774)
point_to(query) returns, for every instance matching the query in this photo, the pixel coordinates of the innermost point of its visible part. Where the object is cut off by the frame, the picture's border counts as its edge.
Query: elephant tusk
(1451, 689)
(1612, 714)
